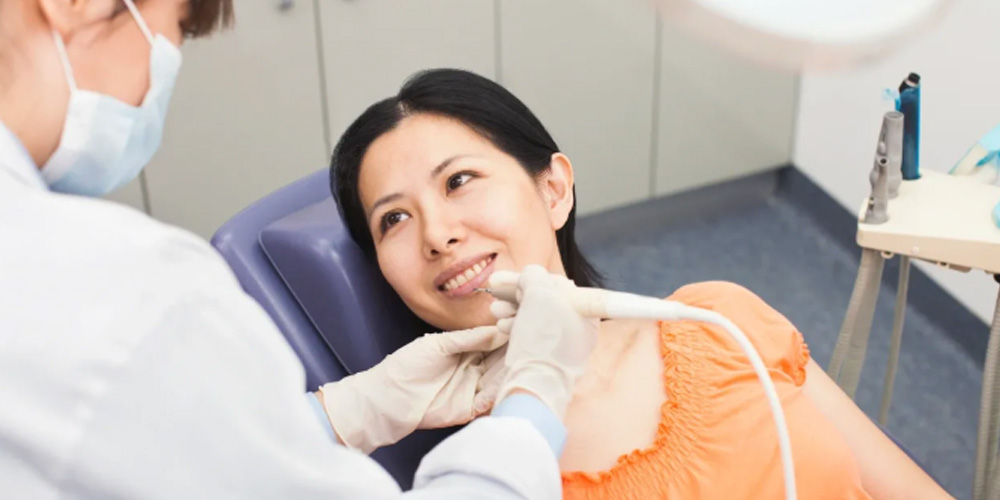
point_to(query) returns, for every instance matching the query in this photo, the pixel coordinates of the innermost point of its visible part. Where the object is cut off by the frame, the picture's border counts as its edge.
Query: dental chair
(291, 252)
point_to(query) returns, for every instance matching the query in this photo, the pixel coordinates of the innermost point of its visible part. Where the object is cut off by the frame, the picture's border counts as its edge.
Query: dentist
(133, 366)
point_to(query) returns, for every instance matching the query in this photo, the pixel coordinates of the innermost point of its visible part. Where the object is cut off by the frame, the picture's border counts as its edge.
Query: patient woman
(454, 178)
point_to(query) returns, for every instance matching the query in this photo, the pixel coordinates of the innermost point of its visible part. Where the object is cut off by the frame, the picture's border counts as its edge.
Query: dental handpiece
(607, 304)
(602, 304)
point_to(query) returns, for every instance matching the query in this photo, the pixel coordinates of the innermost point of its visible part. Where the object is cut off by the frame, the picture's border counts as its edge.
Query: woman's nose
(434, 251)
(441, 235)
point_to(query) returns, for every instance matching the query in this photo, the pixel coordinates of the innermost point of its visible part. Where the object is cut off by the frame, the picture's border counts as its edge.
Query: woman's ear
(68, 16)
(557, 189)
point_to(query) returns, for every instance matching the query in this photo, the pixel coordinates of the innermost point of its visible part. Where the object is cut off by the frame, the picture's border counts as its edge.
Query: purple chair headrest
(238, 241)
(340, 289)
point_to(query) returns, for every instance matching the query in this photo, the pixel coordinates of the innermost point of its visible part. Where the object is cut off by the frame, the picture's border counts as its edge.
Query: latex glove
(481, 375)
(491, 381)
(434, 381)
(550, 342)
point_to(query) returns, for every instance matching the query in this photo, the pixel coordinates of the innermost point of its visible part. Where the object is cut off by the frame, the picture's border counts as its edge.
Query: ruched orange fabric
(716, 438)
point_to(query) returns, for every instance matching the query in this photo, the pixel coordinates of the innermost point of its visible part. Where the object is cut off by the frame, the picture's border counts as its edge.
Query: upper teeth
(464, 277)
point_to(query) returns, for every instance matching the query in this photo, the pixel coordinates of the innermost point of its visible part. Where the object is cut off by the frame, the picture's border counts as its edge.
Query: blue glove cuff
(541, 417)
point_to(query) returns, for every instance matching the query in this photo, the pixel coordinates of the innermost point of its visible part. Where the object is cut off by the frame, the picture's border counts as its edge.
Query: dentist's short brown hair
(207, 16)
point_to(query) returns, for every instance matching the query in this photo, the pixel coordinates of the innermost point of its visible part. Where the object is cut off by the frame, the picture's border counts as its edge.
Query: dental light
(805, 34)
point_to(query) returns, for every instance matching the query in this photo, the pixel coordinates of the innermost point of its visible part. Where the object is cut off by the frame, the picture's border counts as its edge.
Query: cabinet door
(246, 118)
(721, 117)
(586, 70)
(371, 46)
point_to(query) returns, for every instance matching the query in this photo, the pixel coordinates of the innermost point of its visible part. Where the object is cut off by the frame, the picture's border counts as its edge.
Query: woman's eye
(458, 180)
(391, 219)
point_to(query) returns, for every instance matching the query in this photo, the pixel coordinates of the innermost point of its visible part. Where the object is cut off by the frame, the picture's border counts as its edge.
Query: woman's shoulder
(736, 302)
(708, 294)
(776, 339)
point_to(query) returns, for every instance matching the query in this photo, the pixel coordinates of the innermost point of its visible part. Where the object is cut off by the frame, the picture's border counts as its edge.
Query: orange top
(716, 438)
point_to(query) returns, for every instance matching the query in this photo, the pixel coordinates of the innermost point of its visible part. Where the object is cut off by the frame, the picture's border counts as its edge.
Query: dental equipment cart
(942, 219)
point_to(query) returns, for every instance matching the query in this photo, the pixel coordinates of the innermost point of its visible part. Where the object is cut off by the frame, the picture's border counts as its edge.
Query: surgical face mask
(105, 142)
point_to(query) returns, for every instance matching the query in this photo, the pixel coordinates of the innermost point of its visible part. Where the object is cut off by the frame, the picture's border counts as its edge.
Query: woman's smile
(461, 278)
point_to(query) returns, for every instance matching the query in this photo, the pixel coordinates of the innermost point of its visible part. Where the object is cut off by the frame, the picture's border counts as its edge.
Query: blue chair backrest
(293, 254)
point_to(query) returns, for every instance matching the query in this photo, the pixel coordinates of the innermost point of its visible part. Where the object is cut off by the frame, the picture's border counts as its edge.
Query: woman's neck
(615, 339)
(34, 93)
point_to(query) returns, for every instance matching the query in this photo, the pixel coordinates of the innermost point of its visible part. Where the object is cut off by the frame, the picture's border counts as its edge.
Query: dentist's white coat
(132, 365)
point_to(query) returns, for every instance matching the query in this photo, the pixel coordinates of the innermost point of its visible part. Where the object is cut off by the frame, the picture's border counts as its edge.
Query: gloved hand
(490, 382)
(550, 342)
(435, 381)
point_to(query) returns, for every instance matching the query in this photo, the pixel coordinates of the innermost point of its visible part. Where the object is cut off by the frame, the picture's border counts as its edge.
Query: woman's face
(446, 208)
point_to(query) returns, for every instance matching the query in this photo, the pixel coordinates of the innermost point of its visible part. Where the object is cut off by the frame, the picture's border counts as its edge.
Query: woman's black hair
(481, 104)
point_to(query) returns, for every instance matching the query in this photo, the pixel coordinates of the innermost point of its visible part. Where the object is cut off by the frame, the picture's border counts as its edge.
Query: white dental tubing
(605, 304)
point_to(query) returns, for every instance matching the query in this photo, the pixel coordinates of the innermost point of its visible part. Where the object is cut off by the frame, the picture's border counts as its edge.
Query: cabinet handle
(286, 4)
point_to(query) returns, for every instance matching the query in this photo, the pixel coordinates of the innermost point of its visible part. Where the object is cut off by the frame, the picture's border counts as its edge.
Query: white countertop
(940, 218)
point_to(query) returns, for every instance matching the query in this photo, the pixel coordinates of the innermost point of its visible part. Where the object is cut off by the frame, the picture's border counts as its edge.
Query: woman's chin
(471, 314)
(467, 321)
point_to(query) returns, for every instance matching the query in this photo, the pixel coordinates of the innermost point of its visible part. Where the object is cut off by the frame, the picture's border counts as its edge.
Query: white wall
(636, 107)
(839, 117)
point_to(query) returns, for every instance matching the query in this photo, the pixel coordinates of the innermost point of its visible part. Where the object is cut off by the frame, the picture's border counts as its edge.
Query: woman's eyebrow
(440, 168)
(389, 198)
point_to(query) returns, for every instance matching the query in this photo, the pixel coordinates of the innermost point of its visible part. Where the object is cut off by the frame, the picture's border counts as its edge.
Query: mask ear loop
(64, 59)
(139, 20)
